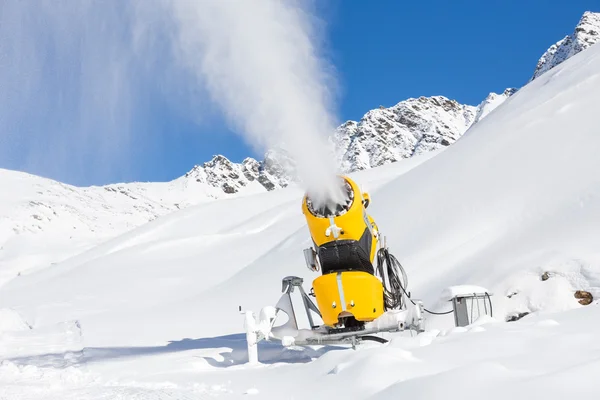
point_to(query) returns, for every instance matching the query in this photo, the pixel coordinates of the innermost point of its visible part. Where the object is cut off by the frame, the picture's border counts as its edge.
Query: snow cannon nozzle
(331, 201)
(344, 236)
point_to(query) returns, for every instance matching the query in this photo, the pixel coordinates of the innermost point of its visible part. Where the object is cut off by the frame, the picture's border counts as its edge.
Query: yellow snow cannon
(345, 241)
(360, 291)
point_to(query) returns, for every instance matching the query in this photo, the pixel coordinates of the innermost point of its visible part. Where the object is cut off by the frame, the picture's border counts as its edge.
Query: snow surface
(153, 313)
(43, 221)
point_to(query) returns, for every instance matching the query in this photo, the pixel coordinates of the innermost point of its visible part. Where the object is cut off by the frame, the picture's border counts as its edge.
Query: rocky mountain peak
(231, 177)
(412, 126)
(586, 34)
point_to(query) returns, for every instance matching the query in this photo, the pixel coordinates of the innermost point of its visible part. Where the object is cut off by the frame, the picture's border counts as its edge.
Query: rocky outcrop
(411, 127)
(586, 34)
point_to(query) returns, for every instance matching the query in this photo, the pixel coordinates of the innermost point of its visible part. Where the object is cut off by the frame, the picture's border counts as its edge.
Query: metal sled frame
(409, 318)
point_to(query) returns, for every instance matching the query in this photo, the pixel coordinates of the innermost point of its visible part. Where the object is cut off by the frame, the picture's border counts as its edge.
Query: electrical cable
(373, 338)
(388, 266)
(490, 303)
(438, 313)
(392, 295)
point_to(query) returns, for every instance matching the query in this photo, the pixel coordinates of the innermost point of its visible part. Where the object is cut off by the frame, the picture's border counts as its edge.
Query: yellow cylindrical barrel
(351, 293)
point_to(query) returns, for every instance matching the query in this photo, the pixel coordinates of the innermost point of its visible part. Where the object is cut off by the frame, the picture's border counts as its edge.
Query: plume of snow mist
(260, 64)
(64, 85)
(76, 78)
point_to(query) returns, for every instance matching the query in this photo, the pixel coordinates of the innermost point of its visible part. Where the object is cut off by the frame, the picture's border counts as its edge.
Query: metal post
(251, 338)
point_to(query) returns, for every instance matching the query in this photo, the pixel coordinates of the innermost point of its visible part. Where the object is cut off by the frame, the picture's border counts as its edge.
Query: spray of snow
(260, 63)
(79, 81)
(66, 72)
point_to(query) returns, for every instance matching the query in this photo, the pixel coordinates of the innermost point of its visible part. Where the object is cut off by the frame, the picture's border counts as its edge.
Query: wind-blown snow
(512, 207)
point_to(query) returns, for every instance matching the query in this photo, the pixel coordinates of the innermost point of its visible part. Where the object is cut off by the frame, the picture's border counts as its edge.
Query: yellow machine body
(352, 292)
(354, 223)
(346, 242)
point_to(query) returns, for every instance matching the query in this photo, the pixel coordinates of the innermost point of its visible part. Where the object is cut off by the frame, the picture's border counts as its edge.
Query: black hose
(373, 338)
(388, 265)
(438, 313)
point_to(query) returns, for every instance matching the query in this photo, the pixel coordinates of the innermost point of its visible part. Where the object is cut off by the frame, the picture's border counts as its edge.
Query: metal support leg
(288, 284)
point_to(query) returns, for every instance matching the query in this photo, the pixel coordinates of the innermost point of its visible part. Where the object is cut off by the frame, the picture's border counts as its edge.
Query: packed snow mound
(462, 290)
(586, 34)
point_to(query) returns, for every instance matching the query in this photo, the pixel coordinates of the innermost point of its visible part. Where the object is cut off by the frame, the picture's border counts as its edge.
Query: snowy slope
(513, 198)
(43, 221)
(156, 309)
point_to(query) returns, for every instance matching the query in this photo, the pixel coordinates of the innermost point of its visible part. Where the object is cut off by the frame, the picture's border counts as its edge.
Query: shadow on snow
(232, 349)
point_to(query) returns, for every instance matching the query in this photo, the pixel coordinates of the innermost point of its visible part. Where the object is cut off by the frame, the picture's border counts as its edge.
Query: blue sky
(459, 49)
(384, 51)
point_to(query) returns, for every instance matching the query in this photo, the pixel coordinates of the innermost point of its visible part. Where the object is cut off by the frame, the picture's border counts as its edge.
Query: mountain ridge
(387, 134)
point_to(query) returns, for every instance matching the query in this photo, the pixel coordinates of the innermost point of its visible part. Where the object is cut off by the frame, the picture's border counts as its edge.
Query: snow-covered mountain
(409, 128)
(271, 173)
(43, 221)
(586, 34)
(493, 101)
(382, 136)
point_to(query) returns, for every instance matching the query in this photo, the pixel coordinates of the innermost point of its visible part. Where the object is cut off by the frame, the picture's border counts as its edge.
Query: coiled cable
(395, 282)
